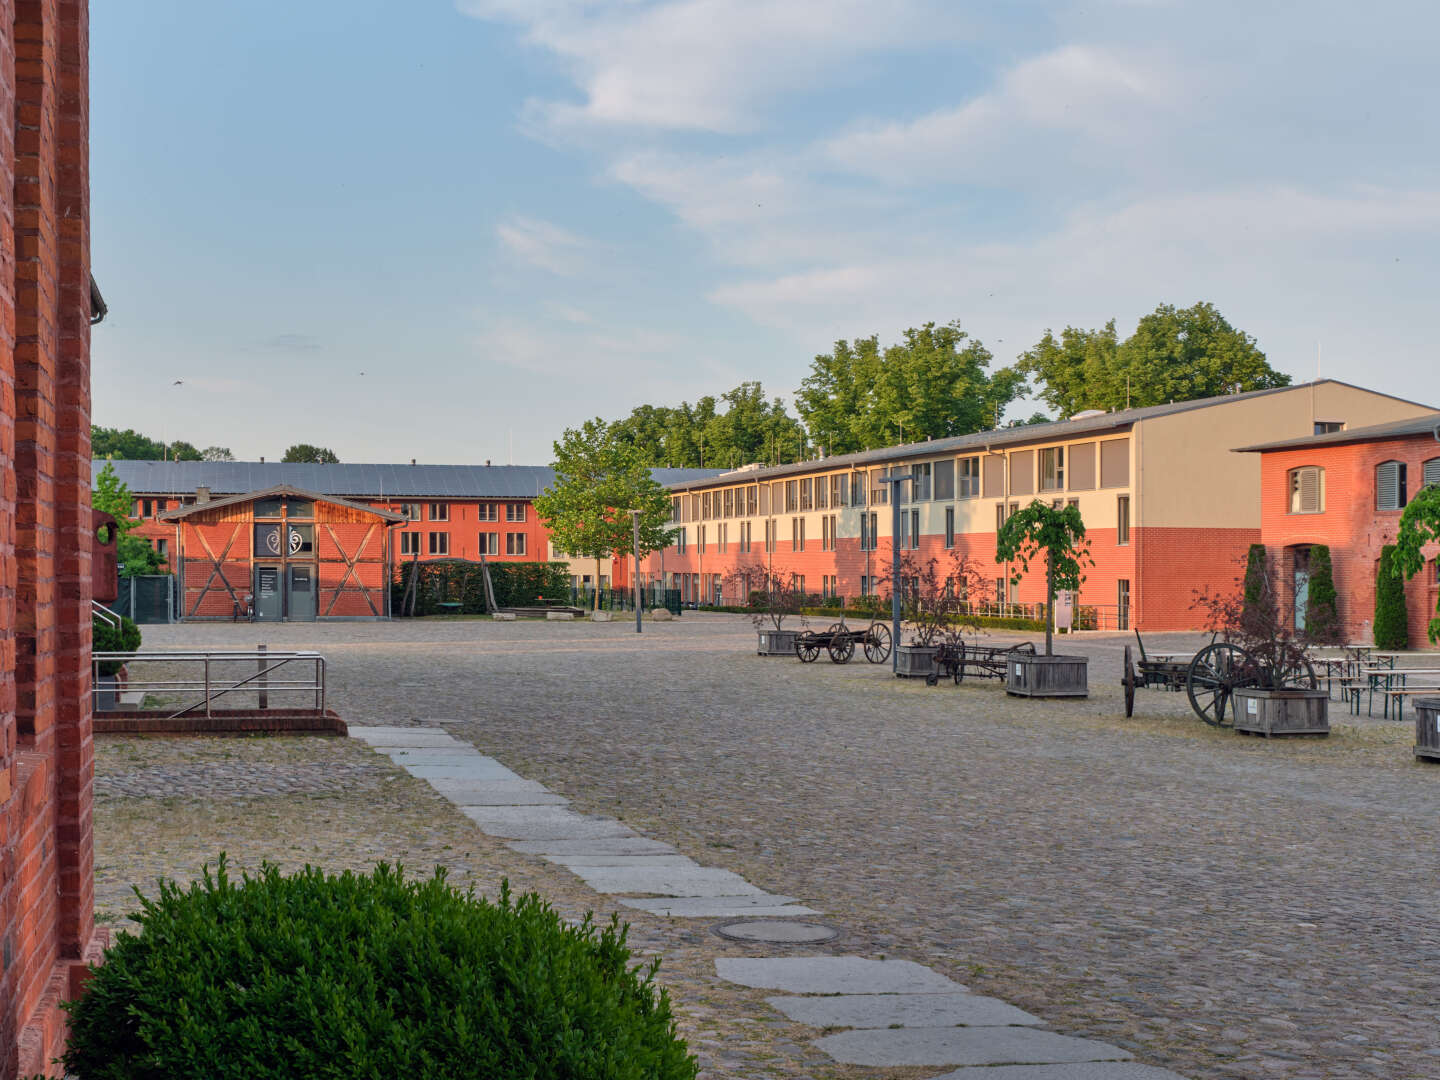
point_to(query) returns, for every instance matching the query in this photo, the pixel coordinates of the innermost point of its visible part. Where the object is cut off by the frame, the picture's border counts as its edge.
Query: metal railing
(210, 675)
(104, 614)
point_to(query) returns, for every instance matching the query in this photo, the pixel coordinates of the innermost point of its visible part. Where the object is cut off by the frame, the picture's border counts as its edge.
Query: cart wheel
(877, 643)
(1213, 676)
(836, 628)
(841, 648)
(1296, 673)
(1129, 683)
(807, 651)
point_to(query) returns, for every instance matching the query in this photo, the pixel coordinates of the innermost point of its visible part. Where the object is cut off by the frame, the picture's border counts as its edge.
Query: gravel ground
(1220, 905)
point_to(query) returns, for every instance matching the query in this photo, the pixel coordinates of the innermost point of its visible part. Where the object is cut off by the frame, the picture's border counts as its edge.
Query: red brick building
(47, 929)
(1168, 508)
(1347, 490)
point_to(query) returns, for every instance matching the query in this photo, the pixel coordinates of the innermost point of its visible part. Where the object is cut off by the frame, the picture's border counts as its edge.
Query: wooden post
(264, 680)
(1049, 600)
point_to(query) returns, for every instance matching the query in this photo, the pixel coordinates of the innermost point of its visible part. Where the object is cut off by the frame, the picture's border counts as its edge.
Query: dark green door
(269, 600)
(301, 593)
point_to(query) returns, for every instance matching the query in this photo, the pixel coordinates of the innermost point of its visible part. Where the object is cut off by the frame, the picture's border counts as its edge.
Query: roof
(1120, 420)
(1395, 429)
(282, 489)
(351, 481)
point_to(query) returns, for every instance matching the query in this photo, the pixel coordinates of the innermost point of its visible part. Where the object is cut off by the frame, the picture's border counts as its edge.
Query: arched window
(1390, 486)
(1307, 490)
(1431, 472)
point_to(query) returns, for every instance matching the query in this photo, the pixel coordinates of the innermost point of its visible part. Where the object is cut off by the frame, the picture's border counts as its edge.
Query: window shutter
(1387, 486)
(1431, 472)
(1309, 491)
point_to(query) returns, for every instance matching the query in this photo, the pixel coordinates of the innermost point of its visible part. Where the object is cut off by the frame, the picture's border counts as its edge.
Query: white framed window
(515, 511)
(969, 486)
(488, 512)
(409, 543)
(1390, 486)
(439, 511)
(949, 526)
(1122, 519)
(514, 543)
(1052, 469)
(1307, 490)
(490, 543)
(439, 543)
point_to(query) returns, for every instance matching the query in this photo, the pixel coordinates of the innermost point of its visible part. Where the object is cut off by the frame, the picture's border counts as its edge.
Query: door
(1302, 587)
(300, 593)
(269, 601)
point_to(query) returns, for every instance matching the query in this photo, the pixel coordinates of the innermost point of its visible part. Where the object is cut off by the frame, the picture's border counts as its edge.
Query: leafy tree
(750, 428)
(179, 450)
(314, 455)
(1175, 354)
(1392, 623)
(1256, 584)
(128, 445)
(1419, 525)
(1058, 535)
(216, 453)
(1322, 614)
(112, 496)
(933, 384)
(599, 480)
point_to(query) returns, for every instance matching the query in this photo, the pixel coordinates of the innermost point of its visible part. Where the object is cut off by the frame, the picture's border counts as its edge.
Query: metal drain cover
(777, 931)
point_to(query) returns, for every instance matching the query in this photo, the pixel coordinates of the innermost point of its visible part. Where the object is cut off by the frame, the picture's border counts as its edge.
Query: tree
(1059, 535)
(1419, 525)
(314, 455)
(112, 496)
(1175, 354)
(935, 383)
(216, 453)
(1391, 629)
(599, 480)
(1256, 589)
(1322, 613)
(130, 445)
(751, 428)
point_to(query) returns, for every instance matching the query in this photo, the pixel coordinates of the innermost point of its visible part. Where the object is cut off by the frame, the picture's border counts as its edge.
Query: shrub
(368, 975)
(1322, 615)
(1256, 584)
(107, 637)
(516, 584)
(1392, 624)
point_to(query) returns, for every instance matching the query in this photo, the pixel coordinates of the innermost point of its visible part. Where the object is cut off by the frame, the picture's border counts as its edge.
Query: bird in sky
(178, 382)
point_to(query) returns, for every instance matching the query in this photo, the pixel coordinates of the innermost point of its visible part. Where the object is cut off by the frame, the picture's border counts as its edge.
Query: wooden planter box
(1427, 728)
(915, 661)
(1047, 676)
(776, 643)
(1281, 712)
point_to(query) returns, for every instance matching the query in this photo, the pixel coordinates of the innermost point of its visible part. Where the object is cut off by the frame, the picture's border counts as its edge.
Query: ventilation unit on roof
(1087, 414)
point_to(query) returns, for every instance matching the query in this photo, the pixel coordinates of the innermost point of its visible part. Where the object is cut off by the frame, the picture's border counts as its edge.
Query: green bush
(368, 975)
(106, 637)
(516, 584)
(1322, 613)
(1392, 623)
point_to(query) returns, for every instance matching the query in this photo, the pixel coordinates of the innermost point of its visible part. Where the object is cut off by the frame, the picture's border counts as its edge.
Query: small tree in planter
(938, 600)
(1057, 534)
(1261, 662)
(774, 598)
(1392, 622)
(1322, 613)
(1419, 525)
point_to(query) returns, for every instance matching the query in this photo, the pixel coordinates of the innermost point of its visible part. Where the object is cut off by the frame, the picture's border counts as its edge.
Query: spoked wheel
(807, 650)
(1296, 673)
(1213, 676)
(877, 643)
(1128, 682)
(841, 648)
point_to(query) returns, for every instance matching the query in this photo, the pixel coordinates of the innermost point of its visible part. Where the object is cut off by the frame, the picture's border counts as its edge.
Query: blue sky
(448, 230)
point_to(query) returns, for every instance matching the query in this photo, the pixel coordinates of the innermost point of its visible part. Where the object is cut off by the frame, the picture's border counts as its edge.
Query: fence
(175, 684)
(652, 596)
(150, 598)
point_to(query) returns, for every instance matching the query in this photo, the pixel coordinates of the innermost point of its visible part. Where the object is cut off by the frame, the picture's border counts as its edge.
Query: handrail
(267, 662)
(105, 615)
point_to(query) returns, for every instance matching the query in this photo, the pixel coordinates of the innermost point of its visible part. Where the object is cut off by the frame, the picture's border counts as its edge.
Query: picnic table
(1391, 682)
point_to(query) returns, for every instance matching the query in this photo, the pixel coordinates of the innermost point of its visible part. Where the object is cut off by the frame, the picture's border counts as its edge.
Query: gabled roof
(351, 481)
(1119, 421)
(268, 493)
(1395, 429)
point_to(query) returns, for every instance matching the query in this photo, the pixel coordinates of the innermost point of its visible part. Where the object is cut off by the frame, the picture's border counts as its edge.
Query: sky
(449, 229)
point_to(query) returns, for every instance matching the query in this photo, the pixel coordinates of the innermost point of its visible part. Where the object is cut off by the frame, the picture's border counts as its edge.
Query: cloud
(572, 349)
(542, 244)
(707, 65)
(291, 343)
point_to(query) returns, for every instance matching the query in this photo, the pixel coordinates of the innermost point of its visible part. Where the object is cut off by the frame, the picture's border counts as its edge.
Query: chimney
(487, 462)
(412, 461)
(262, 459)
(202, 494)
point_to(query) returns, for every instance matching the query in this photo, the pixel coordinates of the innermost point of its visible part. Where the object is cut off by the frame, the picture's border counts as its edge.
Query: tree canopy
(130, 445)
(306, 453)
(750, 428)
(933, 383)
(1175, 354)
(599, 480)
(112, 496)
(1419, 525)
(1057, 535)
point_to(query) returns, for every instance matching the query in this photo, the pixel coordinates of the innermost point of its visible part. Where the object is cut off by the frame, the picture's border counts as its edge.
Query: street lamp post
(895, 479)
(635, 522)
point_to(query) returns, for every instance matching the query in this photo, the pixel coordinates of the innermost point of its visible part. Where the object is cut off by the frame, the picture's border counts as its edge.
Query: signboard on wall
(267, 580)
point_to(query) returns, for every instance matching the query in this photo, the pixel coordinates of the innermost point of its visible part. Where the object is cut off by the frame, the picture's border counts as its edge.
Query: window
(969, 478)
(752, 506)
(489, 543)
(1430, 473)
(675, 511)
(700, 539)
(1122, 600)
(869, 532)
(1307, 490)
(879, 493)
(1080, 467)
(797, 534)
(807, 499)
(920, 485)
(1390, 486)
(162, 548)
(857, 489)
(514, 543)
(949, 526)
(792, 496)
(745, 536)
(944, 480)
(680, 540)
(1022, 472)
(1328, 427)
(914, 528)
(439, 511)
(764, 499)
(1052, 469)
(411, 510)
(147, 508)
(1122, 519)
(409, 543)
(1000, 584)
(1115, 463)
(800, 584)
(705, 506)
(438, 543)
(491, 511)
(770, 536)
(514, 511)
(729, 502)
(999, 516)
(822, 492)
(827, 533)
(722, 538)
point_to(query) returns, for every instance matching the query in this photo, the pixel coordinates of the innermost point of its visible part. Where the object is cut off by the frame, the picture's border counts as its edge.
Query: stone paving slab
(665, 880)
(543, 823)
(837, 975)
(599, 845)
(384, 737)
(476, 769)
(571, 862)
(1084, 1070)
(901, 1010)
(433, 755)
(721, 907)
(503, 793)
(963, 1046)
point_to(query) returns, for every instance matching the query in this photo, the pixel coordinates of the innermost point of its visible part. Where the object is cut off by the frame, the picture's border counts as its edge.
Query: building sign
(267, 581)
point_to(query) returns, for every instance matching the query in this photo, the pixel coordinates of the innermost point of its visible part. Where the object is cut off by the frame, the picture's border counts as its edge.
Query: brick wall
(1350, 524)
(46, 759)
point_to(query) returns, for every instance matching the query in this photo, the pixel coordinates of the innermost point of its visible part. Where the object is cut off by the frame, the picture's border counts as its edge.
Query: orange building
(1347, 489)
(1168, 508)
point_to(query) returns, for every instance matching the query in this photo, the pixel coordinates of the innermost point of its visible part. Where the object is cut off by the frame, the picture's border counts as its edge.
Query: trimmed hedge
(516, 584)
(106, 637)
(1392, 624)
(1322, 612)
(368, 975)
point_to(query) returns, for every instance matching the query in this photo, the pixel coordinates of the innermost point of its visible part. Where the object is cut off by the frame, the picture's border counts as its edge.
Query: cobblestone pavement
(1219, 905)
